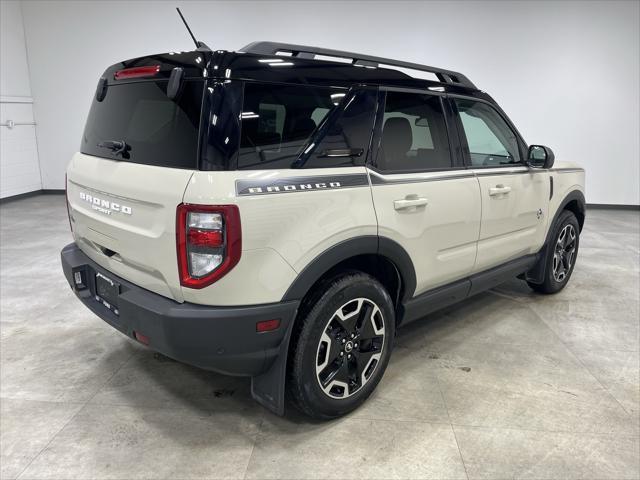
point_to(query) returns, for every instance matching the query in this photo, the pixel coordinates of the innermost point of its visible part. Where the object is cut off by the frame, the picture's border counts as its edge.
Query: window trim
(371, 162)
(462, 136)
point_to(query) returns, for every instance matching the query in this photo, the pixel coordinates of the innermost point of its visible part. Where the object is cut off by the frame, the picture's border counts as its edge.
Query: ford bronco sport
(280, 211)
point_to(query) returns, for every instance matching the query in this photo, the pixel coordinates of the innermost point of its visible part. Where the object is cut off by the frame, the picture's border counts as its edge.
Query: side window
(414, 134)
(491, 142)
(344, 140)
(278, 121)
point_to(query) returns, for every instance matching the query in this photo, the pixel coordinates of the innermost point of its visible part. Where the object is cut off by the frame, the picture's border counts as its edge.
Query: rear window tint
(157, 130)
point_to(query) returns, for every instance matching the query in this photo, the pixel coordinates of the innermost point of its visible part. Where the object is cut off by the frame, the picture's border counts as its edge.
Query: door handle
(410, 201)
(499, 190)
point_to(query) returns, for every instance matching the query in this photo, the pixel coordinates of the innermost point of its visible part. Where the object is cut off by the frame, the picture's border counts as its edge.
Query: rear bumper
(223, 339)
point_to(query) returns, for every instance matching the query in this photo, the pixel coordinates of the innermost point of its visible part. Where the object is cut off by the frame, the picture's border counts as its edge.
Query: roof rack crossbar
(303, 51)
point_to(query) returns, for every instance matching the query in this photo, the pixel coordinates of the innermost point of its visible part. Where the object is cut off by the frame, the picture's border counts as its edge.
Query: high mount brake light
(137, 72)
(209, 242)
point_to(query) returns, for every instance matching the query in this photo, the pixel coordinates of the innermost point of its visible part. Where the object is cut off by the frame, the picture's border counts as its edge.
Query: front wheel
(341, 346)
(561, 254)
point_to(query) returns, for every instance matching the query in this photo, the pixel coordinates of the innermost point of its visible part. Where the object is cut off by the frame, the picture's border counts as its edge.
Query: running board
(446, 295)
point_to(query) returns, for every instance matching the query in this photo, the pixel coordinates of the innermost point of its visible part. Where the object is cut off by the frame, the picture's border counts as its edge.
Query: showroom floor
(507, 384)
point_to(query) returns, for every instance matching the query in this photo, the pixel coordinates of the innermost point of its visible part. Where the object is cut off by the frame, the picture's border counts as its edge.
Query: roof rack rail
(303, 51)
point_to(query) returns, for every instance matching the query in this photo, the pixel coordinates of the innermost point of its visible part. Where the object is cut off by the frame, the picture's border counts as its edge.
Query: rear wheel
(341, 346)
(561, 255)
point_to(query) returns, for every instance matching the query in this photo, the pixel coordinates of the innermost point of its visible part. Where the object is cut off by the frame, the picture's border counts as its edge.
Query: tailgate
(124, 218)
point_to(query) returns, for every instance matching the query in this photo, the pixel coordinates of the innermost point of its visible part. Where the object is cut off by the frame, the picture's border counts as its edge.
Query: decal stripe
(247, 187)
(300, 184)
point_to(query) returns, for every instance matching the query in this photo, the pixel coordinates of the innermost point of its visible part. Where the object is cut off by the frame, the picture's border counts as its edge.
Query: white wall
(566, 73)
(19, 169)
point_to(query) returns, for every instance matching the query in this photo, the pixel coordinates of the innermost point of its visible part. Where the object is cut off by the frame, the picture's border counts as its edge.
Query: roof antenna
(199, 45)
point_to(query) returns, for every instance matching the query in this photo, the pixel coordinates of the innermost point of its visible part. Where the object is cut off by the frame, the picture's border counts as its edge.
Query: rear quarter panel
(281, 232)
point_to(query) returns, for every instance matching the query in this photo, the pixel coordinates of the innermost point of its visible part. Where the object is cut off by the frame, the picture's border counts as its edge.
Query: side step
(446, 295)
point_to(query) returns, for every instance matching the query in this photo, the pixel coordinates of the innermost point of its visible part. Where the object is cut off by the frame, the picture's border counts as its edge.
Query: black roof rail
(304, 51)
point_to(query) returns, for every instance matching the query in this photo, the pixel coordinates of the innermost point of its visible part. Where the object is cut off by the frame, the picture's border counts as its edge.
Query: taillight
(209, 242)
(137, 72)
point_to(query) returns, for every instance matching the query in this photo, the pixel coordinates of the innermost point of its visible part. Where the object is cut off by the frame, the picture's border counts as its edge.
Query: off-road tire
(564, 238)
(320, 333)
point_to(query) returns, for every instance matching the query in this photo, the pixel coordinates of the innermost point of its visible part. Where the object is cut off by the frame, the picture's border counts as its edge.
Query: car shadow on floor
(150, 379)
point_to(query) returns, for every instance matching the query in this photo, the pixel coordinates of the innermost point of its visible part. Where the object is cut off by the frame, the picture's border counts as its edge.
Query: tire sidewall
(567, 218)
(338, 295)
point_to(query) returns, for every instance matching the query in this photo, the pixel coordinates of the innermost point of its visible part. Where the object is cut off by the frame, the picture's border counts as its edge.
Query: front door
(423, 201)
(514, 198)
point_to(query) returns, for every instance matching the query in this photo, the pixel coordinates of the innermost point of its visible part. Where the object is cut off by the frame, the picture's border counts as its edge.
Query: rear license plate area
(107, 292)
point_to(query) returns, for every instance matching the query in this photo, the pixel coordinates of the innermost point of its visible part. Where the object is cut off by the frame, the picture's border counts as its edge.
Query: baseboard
(44, 191)
(608, 206)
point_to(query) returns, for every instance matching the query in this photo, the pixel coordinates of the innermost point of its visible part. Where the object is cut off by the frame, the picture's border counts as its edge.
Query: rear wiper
(118, 147)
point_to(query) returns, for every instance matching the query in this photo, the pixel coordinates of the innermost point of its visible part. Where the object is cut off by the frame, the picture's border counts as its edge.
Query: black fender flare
(368, 244)
(576, 195)
(537, 273)
(268, 388)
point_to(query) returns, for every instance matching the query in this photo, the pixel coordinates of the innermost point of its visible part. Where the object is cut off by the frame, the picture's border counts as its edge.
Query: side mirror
(540, 156)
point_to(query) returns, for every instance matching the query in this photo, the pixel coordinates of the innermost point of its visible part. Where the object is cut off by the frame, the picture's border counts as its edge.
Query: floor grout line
(453, 430)
(577, 358)
(53, 437)
(253, 447)
(542, 430)
(55, 402)
(49, 442)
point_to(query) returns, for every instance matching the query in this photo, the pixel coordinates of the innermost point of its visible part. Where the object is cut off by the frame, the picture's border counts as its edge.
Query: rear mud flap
(268, 388)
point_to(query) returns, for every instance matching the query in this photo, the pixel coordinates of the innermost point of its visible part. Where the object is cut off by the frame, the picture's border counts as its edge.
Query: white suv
(273, 214)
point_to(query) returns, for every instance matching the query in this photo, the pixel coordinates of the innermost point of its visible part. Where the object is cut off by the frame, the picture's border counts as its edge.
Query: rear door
(424, 200)
(514, 198)
(138, 151)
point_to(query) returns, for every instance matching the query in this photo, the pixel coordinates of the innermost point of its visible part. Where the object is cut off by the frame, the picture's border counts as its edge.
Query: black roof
(355, 59)
(264, 61)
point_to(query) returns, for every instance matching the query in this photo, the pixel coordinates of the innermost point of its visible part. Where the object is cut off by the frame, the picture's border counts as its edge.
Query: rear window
(156, 130)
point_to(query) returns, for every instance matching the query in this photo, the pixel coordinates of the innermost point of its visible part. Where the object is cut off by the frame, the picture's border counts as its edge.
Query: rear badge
(105, 206)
